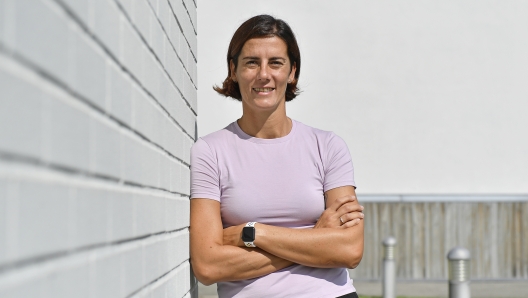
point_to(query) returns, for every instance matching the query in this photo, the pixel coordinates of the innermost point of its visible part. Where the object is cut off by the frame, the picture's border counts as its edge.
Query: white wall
(430, 96)
(97, 117)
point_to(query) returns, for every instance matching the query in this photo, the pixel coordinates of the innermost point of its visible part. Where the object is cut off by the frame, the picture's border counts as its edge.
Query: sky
(431, 97)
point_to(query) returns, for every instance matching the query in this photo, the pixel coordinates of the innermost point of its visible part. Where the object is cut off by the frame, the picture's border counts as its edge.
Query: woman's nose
(263, 72)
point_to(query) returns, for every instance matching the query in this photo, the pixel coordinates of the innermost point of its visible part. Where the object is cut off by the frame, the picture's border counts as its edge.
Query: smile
(263, 89)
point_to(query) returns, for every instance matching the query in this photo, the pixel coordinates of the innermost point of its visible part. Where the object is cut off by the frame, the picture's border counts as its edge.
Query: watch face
(248, 234)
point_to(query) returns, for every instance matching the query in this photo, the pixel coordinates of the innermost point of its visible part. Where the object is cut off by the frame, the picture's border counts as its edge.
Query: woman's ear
(232, 71)
(292, 73)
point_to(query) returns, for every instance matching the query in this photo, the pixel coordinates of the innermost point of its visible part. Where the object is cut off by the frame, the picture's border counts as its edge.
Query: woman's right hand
(344, 213)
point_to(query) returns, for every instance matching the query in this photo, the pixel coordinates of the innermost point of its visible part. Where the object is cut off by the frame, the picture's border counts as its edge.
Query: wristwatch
(248, 234)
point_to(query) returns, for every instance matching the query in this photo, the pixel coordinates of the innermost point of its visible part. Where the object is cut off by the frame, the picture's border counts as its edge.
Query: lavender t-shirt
(278, 182)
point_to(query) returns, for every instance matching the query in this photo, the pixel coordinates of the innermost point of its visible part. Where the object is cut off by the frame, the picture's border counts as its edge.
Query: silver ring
(341, 221)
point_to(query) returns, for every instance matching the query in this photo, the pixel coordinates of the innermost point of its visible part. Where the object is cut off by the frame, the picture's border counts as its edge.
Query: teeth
(263, 89)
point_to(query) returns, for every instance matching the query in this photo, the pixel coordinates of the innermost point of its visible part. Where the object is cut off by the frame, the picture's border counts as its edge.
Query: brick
(8, 16)
(33, 288)
(146, 116)
(190, 93)
(155, 259)
(69, 133)
(158, 38)
(174, 68)
(70, 279)
(108, 276)
(155, 6)
(127, 6)
(41, 36)
(142, 17)
(174, 138)
(182, 246)
(92, 216)
(133, 268)
(140, 165)
(20, 115)
(132, 50)
(164, 83)
(175, 176)
(185, 182)
(191, 10)
(121, 215)
(80, 8)
(150, 214)
(164, 14)
(193, 69)
(164, 171)
(183, 52)
(3, 19)
(186, 156)
(175, 35)
(180, 280)
(120, 94)
(152, 75)
(3, 219)
(106, 24)
(158, 290)
(106, 147)
(43, 218)
(90, 71)
(183, 19)
(132, 159)
(176, 213)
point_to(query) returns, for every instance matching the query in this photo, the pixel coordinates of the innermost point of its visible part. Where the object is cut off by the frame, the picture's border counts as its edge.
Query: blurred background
(430, 96)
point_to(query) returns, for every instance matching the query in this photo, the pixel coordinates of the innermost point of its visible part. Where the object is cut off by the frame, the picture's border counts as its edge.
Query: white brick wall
(97, 116)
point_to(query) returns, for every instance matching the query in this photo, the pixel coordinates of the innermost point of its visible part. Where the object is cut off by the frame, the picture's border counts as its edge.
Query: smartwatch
(248, 234)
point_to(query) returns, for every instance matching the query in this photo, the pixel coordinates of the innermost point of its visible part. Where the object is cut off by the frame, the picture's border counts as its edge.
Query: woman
(259, 227)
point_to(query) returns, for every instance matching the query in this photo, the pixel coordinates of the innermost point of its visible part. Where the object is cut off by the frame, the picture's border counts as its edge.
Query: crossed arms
(219, 254)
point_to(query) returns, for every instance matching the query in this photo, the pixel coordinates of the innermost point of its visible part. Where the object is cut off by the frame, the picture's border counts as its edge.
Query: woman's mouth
(263, 89)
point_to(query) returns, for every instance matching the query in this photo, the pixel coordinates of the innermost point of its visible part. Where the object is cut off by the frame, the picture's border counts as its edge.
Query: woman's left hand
(345, 212)
(233, 236)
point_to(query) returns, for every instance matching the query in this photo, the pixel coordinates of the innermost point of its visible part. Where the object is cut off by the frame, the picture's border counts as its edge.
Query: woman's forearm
(325, 248)
(213, 260)
(230, 263)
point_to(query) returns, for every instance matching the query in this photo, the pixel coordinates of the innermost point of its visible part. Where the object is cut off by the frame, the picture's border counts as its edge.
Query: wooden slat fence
(496, 233)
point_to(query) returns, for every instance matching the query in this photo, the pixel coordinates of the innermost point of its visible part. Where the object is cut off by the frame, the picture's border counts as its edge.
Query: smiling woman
(273, 209)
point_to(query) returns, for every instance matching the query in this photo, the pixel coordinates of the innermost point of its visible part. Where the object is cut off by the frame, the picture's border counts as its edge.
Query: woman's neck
(265, 125)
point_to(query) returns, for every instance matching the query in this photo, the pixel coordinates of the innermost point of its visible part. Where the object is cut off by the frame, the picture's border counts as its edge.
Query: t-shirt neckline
(253, 139)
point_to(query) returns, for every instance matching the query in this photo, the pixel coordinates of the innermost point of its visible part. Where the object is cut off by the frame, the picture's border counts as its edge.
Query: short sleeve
(205, 181)
(338, 167)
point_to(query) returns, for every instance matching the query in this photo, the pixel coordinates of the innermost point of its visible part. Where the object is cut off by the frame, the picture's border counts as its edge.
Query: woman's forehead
(265, 46)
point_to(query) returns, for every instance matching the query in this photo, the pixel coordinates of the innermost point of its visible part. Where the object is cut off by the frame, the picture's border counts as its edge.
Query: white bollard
(389, 268)
(458, 259)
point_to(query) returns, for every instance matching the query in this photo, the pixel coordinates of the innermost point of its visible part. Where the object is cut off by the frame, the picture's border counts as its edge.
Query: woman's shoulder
(318, 134)
(218, 137)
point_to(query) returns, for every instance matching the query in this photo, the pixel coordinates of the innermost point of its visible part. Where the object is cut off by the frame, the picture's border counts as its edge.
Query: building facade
(98, 104)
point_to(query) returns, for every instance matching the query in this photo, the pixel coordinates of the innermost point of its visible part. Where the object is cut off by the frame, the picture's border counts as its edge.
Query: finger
(349, 207)
(351, 216)
(341, 201)
(351, 223)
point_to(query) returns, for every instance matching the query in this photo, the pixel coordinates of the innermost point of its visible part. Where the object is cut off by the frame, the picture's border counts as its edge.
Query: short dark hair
(258, 27)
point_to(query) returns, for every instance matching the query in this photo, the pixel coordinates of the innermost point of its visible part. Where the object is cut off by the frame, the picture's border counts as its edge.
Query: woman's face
(263, 73)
